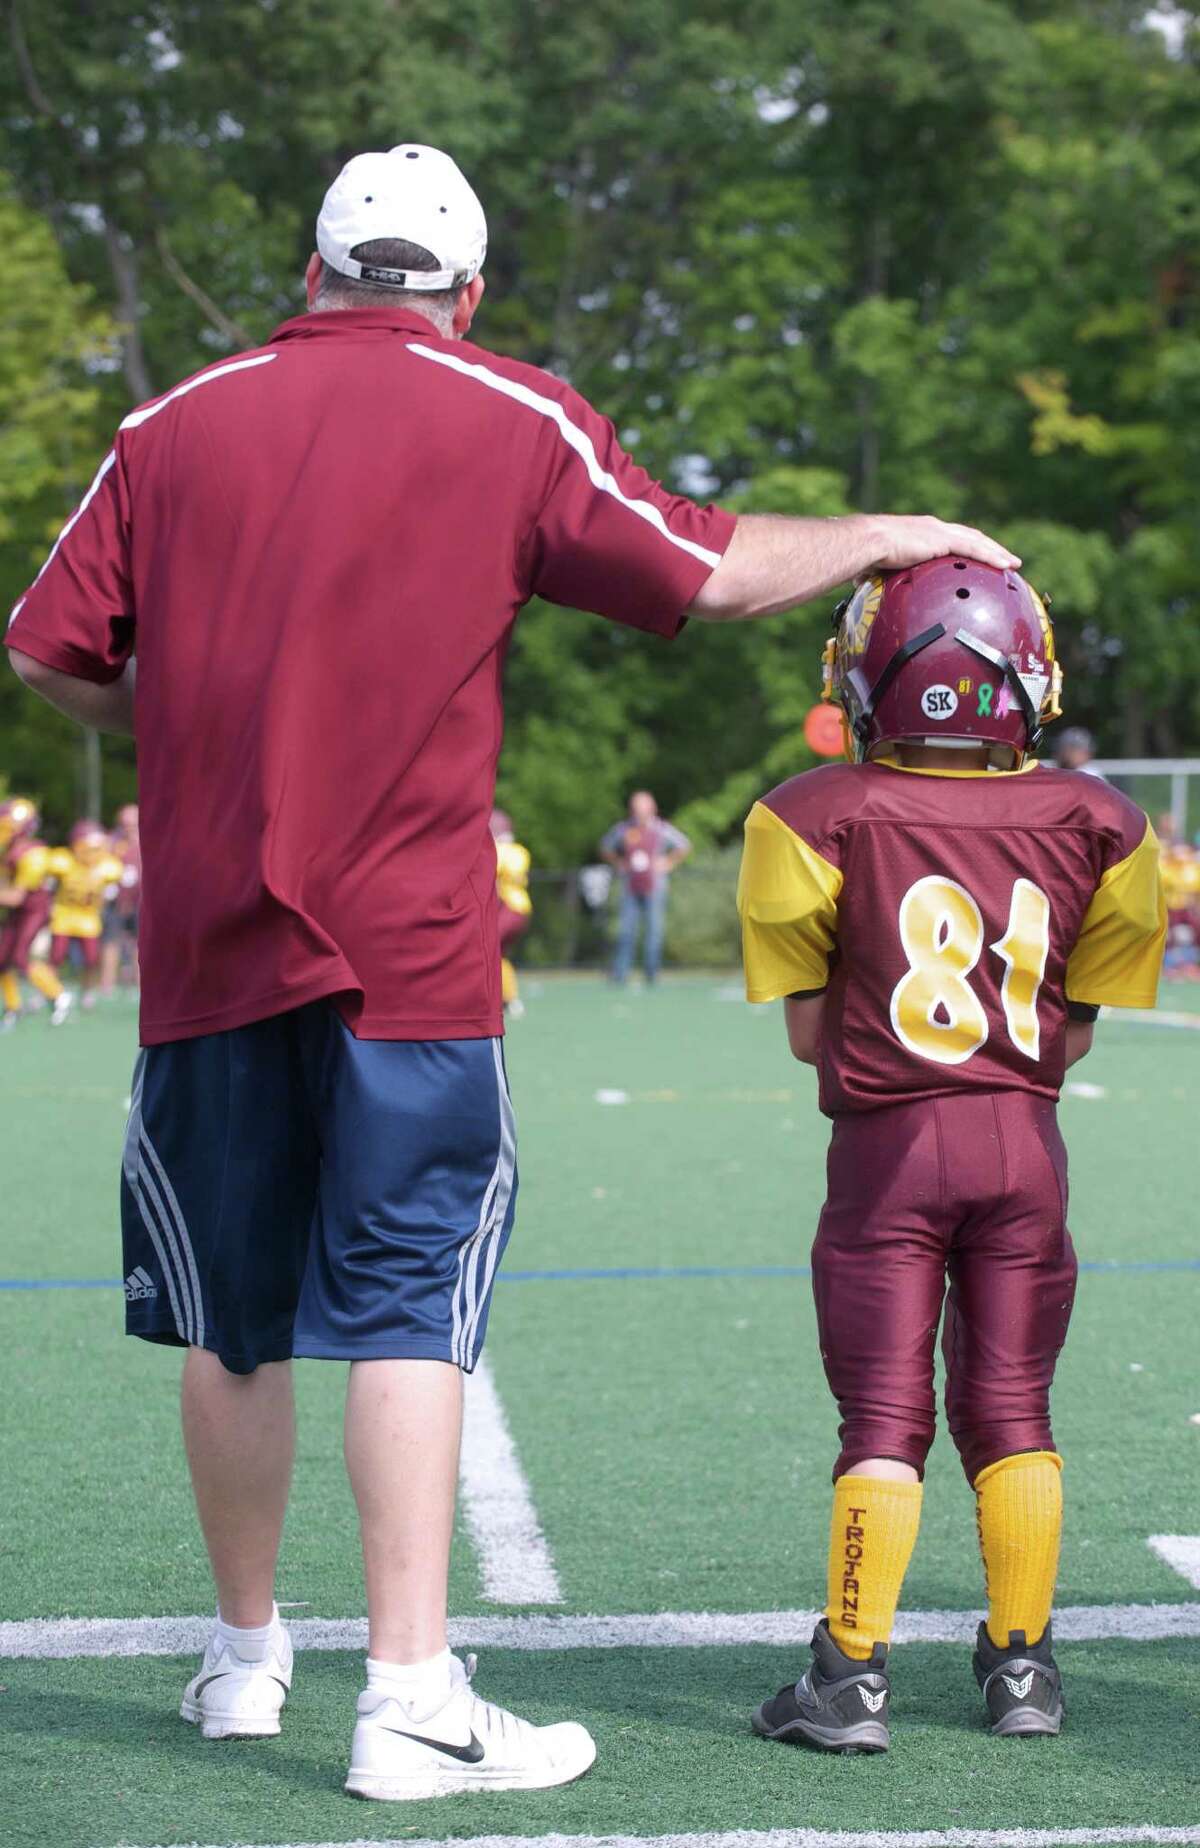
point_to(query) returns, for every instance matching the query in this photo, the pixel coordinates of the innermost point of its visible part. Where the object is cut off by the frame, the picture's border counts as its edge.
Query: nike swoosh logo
(466, 1754)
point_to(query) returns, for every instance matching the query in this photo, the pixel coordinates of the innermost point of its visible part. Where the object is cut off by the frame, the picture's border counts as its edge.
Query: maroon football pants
(971, 1191)
(17, 935)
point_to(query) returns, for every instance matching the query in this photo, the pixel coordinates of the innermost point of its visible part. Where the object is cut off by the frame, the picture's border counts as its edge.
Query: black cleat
(1021, 1684)
(838, 1704)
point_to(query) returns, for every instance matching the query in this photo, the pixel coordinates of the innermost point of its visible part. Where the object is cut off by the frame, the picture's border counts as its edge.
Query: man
(118, 951)
(26, 891)
(943, 921)
(644, 850)
(318, 550)
(1076, 749)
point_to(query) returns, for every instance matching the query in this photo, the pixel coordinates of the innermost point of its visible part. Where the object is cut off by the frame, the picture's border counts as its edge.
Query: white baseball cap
(413, 193)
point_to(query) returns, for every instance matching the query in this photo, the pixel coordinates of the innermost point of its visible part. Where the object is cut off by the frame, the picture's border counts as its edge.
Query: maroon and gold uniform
(26, 870)
(952, 920)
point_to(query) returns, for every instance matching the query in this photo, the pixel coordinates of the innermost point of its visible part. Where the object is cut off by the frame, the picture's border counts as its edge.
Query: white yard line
(157, 1636)
(817, 1838)
(1154, 1017)
(1179, 1551)
(515, 1562)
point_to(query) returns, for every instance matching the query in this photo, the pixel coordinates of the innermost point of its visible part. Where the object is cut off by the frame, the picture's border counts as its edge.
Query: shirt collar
(345, 321)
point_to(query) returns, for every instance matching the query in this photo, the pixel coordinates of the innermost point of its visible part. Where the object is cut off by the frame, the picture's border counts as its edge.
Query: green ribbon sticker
(985, 701)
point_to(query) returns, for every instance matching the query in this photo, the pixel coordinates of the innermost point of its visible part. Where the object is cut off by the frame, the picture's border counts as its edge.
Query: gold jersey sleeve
(787, 902)
(1118, 953)
(32, 869)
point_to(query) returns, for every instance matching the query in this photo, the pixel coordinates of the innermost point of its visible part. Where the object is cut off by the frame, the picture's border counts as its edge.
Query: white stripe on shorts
(180, 1224)
(146, 1188)
(131, 1165)
(466, 1308)
(487, 1253)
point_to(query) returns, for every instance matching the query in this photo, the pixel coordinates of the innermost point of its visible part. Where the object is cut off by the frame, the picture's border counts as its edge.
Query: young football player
(86, 870)
(516, 906)
(25, 897)
(943, 919)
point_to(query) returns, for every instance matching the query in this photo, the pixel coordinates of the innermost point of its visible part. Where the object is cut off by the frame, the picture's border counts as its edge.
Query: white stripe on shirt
(571, 433)
(140, 416)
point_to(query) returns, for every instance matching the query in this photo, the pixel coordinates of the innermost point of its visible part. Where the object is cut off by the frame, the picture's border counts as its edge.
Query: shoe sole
(870, 1736)
(377, 1787)
(1027, 1723)
(228, 1725)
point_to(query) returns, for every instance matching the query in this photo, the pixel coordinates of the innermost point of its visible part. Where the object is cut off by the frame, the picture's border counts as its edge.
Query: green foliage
(942, 257)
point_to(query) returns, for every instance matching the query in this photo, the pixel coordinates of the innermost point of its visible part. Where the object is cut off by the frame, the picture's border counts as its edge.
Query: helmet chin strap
(901, 658)
(1007, 668)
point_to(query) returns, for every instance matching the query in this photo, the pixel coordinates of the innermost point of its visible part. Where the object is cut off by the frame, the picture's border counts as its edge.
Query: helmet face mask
(950, 653)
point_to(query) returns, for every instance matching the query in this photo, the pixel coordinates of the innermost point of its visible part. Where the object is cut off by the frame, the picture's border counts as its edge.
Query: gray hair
(337, 291)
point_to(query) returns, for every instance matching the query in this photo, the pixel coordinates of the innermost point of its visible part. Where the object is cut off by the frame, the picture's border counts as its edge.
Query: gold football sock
(1018, 1503)
(10, 989)
(871, 1540)
(44, 980)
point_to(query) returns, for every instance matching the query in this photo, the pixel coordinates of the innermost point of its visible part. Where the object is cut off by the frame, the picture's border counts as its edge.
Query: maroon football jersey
(950, 918)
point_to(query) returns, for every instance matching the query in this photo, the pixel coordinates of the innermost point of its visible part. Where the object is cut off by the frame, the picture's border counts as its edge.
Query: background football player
(25, 896)
(87, 871)
(516, 906)
(943, 919)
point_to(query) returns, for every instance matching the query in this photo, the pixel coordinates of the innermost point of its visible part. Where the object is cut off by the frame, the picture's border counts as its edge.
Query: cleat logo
(1019, 1689)
(872, 1702)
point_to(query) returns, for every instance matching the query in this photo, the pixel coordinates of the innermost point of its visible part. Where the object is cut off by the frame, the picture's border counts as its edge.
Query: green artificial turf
(96, 1754)
(677, 1436)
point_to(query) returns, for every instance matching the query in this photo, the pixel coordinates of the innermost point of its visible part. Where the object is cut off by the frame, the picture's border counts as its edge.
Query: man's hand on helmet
(909, 539)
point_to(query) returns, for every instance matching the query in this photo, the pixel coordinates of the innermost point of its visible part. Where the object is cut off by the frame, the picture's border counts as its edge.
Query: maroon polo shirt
(317, 551)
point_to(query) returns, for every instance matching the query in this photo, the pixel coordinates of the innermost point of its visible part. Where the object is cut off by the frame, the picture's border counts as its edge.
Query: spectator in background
(644, 850)
(118, 947)
(1075, 750)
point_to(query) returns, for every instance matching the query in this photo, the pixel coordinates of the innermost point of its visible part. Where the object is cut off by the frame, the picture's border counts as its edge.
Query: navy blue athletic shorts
(287, 1190)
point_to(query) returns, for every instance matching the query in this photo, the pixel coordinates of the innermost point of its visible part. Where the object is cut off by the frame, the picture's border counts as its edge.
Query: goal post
(1160, 785)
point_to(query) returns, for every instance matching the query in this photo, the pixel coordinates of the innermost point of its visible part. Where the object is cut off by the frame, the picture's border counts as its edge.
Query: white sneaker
(239, 1693)
(468, 1744)
(62, 1007)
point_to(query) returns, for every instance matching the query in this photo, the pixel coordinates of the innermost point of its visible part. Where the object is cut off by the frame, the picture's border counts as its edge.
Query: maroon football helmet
(948, 652)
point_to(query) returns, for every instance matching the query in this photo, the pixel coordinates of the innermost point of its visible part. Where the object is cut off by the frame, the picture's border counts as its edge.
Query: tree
(938, 256)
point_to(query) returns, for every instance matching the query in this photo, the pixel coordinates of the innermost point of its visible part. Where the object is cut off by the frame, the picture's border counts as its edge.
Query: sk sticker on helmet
(940, 702)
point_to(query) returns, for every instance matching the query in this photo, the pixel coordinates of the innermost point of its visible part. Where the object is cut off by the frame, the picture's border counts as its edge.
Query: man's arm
(106, 708)
(678, 848)
(774, 562)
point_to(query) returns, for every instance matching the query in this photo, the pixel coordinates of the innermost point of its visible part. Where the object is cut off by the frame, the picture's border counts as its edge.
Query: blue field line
(637, 1273)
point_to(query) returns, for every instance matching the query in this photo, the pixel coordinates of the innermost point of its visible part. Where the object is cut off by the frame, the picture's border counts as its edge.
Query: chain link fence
(574, 923)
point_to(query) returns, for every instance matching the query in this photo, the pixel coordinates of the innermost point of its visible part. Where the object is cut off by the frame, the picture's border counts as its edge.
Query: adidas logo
(139, 1285)
(872, 1702)
(1018, 1689)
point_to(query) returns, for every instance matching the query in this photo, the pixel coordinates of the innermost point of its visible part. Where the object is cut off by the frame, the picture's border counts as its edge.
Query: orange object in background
(823, 730)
